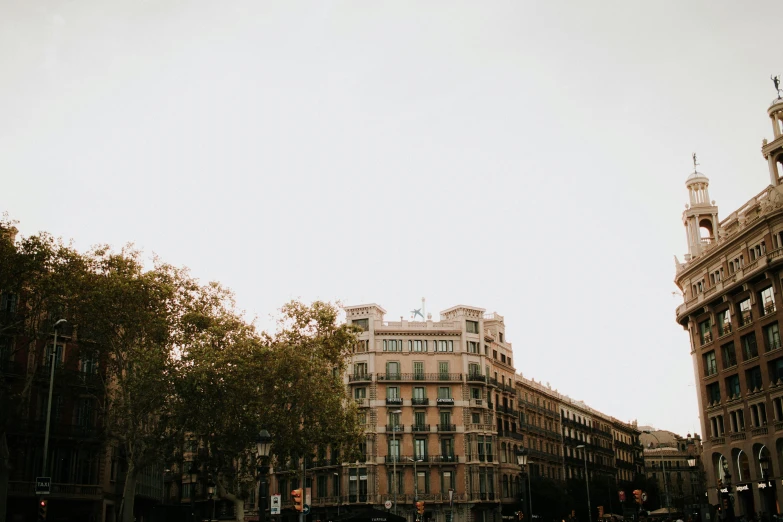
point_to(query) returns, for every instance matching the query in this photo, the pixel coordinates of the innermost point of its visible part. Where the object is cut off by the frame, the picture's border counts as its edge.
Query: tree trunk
(128, 494)
(239, 510)
(4, 473)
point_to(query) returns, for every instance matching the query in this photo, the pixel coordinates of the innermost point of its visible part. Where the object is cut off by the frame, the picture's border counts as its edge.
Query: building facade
(674, 464)
(445, 413)
(731, 285)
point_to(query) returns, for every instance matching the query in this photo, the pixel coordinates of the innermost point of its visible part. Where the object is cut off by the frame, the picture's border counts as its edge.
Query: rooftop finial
(695, 164)
(776, 81)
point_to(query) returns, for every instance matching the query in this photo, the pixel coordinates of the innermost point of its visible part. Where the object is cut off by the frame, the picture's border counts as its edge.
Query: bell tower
(773, 151)
(701, 215)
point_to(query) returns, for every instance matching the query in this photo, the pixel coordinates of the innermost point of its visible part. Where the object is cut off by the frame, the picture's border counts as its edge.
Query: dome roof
(696, 177)
(776, 105)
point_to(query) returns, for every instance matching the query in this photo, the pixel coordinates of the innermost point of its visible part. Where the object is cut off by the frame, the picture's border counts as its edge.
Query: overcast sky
(528, 158)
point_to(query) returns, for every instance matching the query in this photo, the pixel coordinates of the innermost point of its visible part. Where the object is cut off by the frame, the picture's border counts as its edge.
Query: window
(472, 326)
(446, 481)
(392, 392)
(713, 392)
(724, 322)
(475, 418)
(475, 393)
(418, 370)
(321, 486)
(447, 448)
(445, 418)
(360, 393)
(776, 370)
(443, 369)
(364, 324)
(772, 336)
(8, 302)
(733, 387)
(392, 345)
(360, 369)
(494, 354)
(746, 315)
(705, 334)
(767, 301)
(445, 346)
(500, 337)
(418, 392)
(753, 378)
(758, 414)
(58, 356)
(419, 418)
(473, 347)
(361, 346)
(749, 348)
(729, 355)
(420, 448)
(417, 346)
(392, 370)
(710, 363)
(474, 369)
(422, 482)
(502, 358)
(444, 392)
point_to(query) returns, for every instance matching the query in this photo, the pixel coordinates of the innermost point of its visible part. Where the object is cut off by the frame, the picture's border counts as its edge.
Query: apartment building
(445, 414)
(674, 464)
(731, 286)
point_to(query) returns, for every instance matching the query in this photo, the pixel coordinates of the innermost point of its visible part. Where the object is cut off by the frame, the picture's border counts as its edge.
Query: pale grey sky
(525, 157)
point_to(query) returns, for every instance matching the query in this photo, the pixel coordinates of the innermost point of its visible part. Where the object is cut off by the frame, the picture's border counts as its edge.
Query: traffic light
(420, 507)
(600, 512)
(637, 496)
(725, 503)
(298, 500)
(43, 505)
(520, 515)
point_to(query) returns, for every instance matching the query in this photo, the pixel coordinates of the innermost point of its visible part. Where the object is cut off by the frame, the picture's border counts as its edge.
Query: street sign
(306, 509)
(43, 485)
(274, 506)
(387, 504)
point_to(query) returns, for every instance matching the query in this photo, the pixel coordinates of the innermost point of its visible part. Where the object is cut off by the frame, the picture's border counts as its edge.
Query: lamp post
(395, 426)
(49, 403)
(263, 446)
(337, 490)
(663, 464)
(522, 461)
(729, 497)
(587, 483)
(764, 464)
(211, 493)
(415, 478)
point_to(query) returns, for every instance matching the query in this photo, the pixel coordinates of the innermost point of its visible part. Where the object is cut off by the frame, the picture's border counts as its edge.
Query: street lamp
(395, 457)
(337, 490)
(51, 389)
(211, 493)
(587, 484)
(663, 464)
(522, 461)
(263, 446)
(415, 478)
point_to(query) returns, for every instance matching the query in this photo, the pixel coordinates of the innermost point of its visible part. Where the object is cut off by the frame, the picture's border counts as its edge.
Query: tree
(37, 278)
(289, 383)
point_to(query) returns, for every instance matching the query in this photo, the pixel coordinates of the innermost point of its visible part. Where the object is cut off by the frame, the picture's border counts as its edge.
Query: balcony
(476, 377)
(445, 401)
(706, 338)
(395, 428)
(441, 459)
(420, 427)
(746, 317)
(447, 427)
(420, 401)
(397, 459)
(394, 401)
(756, 432)
(360, 377)
(417, 376)
(394, 376)
(769, 307)
(477, 403)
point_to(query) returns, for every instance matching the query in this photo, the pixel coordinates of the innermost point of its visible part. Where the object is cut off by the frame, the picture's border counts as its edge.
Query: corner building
(438, 401)
(731, 284)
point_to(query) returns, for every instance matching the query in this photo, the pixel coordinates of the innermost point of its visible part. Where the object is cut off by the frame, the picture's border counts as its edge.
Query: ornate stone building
(731, 285)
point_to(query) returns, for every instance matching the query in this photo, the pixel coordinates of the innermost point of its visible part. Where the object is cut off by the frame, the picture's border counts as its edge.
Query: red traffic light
(43, 503)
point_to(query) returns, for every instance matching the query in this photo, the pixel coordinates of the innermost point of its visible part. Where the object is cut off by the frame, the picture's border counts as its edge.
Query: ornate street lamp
(522, 461)
(263, 447)
(211, 493)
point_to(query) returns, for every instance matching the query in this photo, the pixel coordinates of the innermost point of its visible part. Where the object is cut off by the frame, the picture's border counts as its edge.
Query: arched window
(503, 452)
(505, 486)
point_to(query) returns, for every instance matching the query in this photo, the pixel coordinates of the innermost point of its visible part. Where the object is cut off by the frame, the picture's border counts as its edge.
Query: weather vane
(776, 81)
(694, 162)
